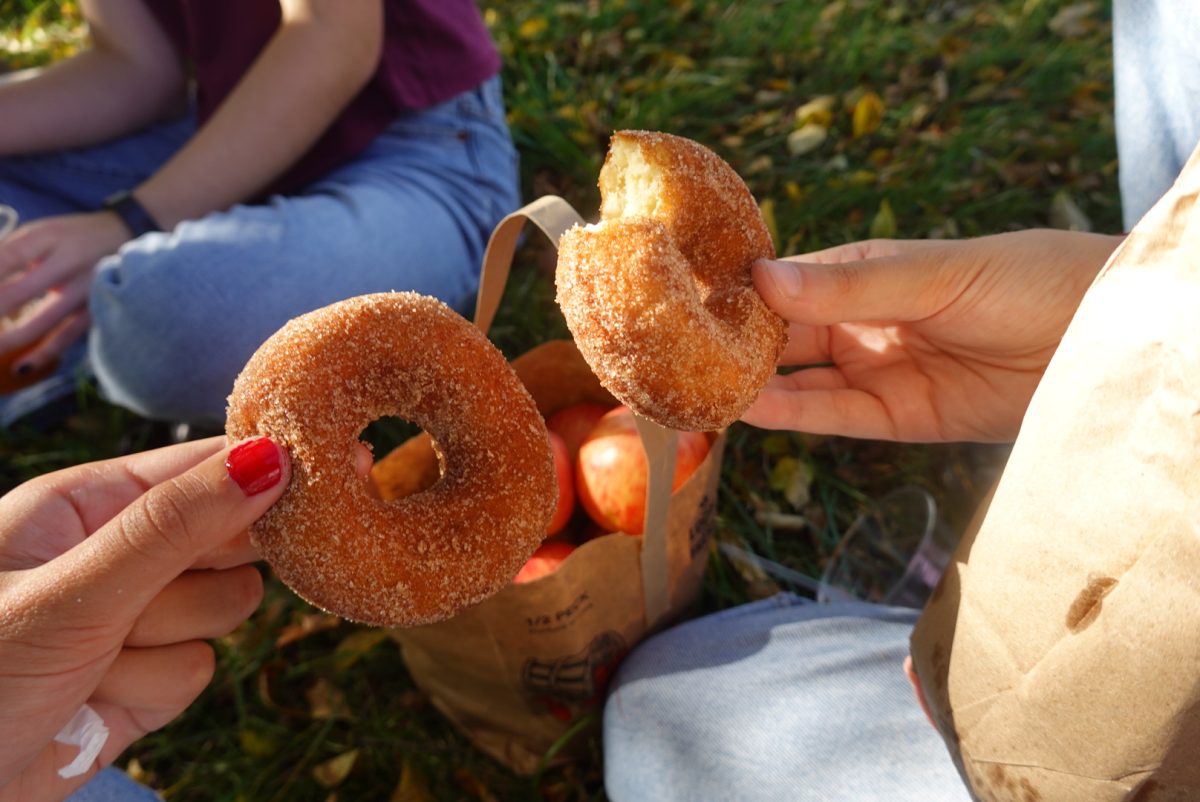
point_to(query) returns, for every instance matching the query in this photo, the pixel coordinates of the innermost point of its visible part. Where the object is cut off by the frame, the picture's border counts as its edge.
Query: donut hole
(384, 435)
(630, 186)
(406, 462)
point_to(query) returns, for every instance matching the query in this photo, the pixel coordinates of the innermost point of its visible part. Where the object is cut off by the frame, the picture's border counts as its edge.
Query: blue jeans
(781, 699)
(176, 315)
(1157, 66)
(113, 785)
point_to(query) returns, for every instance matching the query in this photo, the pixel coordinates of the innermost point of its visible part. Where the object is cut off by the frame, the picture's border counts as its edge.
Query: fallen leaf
(806, 138)
(883, 226)
(413, 787)
(793, 479)
(533, 27)
(307, 625)
(327, 702)
(819, 110)
(256, 744)
(137, 772)
(335, 770)
(357, 645)
(777, 443)
(1073, 21)
(1066, 214)
(676, 61)
(868, 114)
(760, 165)
(767, 209)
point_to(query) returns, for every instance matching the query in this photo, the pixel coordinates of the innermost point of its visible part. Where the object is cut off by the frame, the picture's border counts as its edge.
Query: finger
(156, 684)
(19, 250)
(911, 672)
(238, 551)
(53, 269)
(119, 569)
(899, 288)
(95, 492)
(852, 413)
(144, 690)
(852, 251)
(43, 313)
(55, 343)
(198, 605)
(806, 345)
(364, 460)
(25, 329)
(809, 379)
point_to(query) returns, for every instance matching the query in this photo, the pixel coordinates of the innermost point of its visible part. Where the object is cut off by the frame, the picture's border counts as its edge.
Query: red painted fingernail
(255, 465)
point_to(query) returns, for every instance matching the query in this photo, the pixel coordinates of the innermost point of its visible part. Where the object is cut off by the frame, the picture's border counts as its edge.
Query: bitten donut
(318, 382)
(658, 293)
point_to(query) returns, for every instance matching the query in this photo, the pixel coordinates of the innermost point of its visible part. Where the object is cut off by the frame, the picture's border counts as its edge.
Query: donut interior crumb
(630, 187)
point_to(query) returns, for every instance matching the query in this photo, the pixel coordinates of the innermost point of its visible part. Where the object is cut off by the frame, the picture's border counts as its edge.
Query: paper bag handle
(553, 215)
(660, 444)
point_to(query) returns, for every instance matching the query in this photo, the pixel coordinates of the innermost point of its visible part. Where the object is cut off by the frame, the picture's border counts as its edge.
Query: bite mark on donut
(629, 186)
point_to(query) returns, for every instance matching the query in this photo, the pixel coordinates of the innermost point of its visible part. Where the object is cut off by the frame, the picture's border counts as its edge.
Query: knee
(155, 346)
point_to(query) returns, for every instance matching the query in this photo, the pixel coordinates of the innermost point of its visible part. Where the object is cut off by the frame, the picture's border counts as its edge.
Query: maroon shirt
(432, 51)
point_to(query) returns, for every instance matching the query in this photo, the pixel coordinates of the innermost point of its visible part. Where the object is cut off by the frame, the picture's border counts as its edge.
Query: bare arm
(322, 55)
(324, 52)
(128, 77)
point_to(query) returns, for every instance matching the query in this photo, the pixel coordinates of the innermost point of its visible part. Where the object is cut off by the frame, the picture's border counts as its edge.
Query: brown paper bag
(1061, 653)
(525, 671)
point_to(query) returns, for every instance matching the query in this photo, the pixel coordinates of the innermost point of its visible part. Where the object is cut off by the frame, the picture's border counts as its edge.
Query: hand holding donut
(922, 340)
(111, 576)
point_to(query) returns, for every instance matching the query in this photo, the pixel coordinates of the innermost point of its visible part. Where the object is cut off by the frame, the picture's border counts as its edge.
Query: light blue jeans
(781, 699)
(113, 785)
(176, 315)
(1157, 66)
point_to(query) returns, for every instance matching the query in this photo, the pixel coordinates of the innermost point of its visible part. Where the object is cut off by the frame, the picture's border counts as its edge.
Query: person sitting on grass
(203, 172)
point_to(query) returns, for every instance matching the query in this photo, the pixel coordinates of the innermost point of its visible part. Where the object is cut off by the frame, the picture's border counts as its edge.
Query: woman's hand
(49, 263)
(112, 574)
(922, 340)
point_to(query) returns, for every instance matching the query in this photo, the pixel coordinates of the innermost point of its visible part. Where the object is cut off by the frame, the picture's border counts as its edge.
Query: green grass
(992, 119)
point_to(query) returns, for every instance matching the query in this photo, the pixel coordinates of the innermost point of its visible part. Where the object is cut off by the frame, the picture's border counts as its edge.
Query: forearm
(127, 78)
(306, 75)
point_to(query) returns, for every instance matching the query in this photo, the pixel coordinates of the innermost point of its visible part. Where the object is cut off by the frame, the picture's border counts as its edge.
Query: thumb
(902, 288)
(120, 568)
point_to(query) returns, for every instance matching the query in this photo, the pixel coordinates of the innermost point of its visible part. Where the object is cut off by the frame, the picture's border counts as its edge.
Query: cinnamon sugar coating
(658, 294)
(318, 382)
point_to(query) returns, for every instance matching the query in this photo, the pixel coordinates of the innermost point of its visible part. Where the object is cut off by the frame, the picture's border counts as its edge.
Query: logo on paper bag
(559, 686)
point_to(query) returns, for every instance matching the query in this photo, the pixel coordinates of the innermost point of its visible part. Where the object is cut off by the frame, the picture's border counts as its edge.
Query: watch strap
(135, 217)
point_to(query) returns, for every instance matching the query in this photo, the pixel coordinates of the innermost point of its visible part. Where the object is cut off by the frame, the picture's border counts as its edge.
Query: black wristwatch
(132, 213)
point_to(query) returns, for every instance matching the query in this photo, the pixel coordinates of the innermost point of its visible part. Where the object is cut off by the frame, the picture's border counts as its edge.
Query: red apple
(565, 473)
(611, 472)
(574, 422)
(544, 561)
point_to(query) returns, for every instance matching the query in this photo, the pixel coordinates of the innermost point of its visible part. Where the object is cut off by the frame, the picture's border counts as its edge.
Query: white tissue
(87, 731)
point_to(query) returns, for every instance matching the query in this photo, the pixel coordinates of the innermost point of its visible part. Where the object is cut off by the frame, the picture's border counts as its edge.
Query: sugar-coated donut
(318, 382)
(658, 293)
